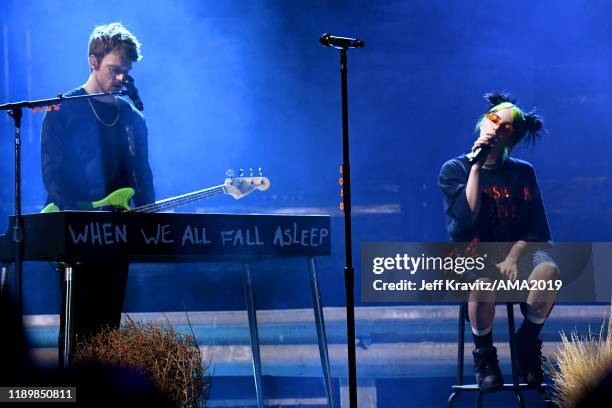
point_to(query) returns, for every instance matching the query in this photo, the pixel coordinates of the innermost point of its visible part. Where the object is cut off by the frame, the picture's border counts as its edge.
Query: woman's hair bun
(533, 122)
(495, 98)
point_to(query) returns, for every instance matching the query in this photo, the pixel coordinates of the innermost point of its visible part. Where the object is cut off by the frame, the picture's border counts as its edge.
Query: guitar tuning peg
(260, 172)
(230, 173)
(250, 172)
(241, 173)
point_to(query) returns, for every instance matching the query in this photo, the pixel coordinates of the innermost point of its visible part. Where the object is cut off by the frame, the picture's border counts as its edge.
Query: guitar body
(119, 199)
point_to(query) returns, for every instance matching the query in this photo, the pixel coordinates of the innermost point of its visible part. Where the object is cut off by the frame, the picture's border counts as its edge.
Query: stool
(515, 387)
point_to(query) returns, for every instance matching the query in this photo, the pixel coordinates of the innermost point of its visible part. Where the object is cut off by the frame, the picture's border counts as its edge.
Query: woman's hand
(487, 136)
(508, 268)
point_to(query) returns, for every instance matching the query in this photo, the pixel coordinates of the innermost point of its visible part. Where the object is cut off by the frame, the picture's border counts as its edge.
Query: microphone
(133, 92)
(478, 154)
(329, 40)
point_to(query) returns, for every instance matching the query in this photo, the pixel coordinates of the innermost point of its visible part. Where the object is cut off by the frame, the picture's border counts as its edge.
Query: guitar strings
(162, 203)
(180, 200)
(186, 200)
(183, 199)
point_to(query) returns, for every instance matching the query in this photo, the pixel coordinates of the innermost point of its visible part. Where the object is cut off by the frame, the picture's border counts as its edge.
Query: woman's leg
(481, 311)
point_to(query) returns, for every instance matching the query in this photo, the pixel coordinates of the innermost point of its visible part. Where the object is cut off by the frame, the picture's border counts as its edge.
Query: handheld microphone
(478, 154)
(133, 92)
(328, 40)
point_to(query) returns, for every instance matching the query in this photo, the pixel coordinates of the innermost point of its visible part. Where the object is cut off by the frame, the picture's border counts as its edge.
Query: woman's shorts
(526, 264)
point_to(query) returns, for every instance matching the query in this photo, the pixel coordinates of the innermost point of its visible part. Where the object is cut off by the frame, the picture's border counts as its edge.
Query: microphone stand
(349, 270)
(15, 111)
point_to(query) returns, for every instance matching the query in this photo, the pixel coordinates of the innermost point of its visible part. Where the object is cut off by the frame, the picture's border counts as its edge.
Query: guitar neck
(178, 201)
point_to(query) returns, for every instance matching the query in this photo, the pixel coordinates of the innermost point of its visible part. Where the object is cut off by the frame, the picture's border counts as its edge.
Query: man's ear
(93, 62)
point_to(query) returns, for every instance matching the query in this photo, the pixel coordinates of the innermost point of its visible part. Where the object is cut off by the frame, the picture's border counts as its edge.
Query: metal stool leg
(3, 278)
(67, 346)
(452, 398)
(512, 342)
(513, 362)
(521, 400)
(461, 343)
(248, 289)
(321, 336)
(460, 351)
(479, 399)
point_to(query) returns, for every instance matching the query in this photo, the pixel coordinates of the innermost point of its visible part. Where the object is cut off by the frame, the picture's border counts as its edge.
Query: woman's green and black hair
(526, 124)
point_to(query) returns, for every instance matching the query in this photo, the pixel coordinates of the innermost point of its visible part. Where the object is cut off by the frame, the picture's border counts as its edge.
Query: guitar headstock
(240, 186)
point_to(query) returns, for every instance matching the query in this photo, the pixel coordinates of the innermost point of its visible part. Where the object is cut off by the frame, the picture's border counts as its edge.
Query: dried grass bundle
(170, 359)
(582, 363)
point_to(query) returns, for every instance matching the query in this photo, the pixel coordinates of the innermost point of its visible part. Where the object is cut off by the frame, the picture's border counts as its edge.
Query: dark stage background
(246, 84)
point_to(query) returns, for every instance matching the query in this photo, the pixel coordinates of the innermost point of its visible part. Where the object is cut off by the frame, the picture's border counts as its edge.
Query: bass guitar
(119, 200)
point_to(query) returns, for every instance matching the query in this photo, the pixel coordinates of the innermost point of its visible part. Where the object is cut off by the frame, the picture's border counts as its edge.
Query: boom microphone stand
(342, 44)
(15, 111)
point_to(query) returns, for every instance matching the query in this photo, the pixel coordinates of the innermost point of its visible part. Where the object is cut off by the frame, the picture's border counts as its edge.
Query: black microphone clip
(328, 40)
(132, 92)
